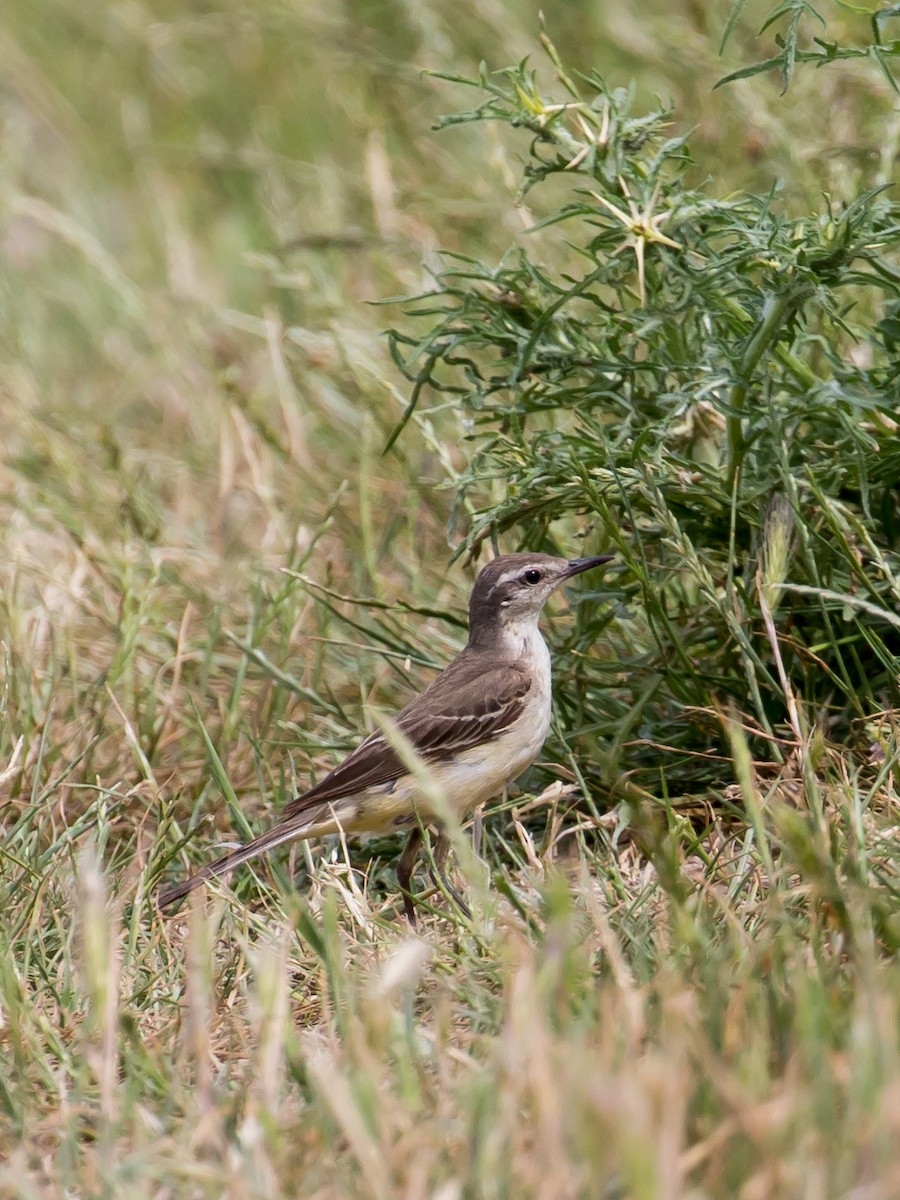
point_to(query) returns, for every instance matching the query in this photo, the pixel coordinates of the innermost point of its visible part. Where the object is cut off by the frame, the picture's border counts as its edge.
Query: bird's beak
(577, 565)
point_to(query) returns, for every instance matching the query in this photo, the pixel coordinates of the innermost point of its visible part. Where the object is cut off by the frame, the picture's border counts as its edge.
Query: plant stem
(777, 312)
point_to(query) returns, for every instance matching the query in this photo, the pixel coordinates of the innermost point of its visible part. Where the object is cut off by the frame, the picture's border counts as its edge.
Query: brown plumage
(480, 723)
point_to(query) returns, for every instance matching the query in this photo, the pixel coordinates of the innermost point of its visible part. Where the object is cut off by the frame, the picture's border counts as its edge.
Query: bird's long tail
(316, 822)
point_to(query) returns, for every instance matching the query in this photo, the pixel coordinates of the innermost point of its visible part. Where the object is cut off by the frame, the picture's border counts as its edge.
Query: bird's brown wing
(466, 705)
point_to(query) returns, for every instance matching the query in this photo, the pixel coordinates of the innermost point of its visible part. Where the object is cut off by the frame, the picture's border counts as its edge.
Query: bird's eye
(532, 576)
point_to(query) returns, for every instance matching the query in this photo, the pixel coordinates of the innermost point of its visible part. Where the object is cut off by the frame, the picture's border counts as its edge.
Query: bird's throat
(520, 640)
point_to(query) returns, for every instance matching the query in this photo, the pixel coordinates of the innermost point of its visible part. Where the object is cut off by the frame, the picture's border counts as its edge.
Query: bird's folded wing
(466, 705)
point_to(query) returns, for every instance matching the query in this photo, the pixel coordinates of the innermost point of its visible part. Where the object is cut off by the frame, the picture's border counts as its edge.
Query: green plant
(791, 15)
(708, 384)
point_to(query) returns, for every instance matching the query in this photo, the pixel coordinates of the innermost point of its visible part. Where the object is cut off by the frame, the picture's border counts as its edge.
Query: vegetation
(708, 386)
(671, 331)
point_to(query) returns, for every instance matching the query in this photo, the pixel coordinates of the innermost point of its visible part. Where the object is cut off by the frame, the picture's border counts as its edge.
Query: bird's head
(512, 590)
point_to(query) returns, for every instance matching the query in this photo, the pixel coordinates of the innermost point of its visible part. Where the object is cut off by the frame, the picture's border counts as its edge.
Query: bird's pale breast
(477, 774)
(481, 772)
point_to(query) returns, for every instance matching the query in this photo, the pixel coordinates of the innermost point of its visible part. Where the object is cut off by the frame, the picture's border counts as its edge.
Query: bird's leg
(438, 872)
(478, 830)
(405, 867)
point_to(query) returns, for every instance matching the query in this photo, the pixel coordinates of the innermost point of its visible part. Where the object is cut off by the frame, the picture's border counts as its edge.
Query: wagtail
(477, 727)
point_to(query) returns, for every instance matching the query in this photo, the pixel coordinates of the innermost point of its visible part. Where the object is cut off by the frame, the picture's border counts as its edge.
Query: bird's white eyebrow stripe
(506, 577)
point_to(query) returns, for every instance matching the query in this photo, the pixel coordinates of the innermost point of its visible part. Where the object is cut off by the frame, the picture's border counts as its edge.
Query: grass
(680, 977)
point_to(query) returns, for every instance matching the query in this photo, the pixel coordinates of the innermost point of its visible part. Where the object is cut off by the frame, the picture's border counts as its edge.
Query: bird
(476, 727)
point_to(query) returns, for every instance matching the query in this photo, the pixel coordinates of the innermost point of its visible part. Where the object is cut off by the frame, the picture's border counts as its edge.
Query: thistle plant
(657, 365)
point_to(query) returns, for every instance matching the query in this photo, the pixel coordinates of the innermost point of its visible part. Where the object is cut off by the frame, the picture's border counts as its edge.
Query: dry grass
(735, 1038)
(202, 552)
